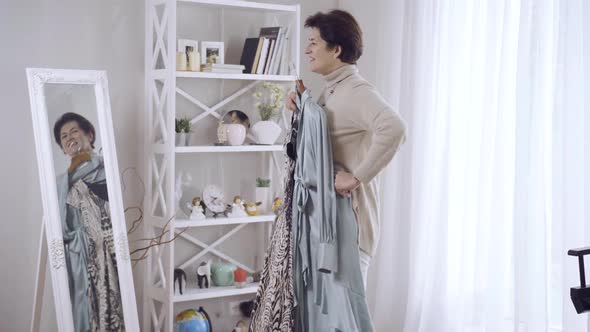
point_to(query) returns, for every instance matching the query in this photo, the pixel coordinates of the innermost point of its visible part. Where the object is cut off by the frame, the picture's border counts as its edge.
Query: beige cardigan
(366, 133)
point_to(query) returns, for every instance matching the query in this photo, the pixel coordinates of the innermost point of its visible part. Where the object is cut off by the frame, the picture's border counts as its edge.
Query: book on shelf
(269, 55)
(257, 58)
(274, 65)
(227, 66)
(272, 34)
(223, 68)
(283, 66)
(265, 54)
(249, 53)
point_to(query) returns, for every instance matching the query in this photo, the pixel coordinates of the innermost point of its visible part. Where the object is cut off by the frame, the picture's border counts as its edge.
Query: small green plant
(262, 183)
(183, 125)
(269, 99)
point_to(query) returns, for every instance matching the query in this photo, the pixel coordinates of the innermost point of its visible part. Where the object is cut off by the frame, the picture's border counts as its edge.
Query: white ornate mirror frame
(37, 79)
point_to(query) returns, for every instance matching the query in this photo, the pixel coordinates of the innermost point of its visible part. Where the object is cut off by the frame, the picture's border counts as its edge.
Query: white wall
(75, 34)
(80, 34)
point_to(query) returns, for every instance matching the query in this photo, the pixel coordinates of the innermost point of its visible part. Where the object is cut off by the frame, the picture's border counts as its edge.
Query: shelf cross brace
(211, 248)
(213, 110)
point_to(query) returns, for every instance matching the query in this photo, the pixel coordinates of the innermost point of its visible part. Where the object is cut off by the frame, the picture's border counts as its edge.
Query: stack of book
(266, 54)
(223, 68)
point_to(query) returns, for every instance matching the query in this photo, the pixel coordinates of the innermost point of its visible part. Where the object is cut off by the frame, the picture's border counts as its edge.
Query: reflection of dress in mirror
(87, 229)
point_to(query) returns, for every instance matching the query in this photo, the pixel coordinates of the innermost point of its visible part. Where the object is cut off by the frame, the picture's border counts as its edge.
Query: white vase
(236, 133)
(263, 196)
(183, 139)
(266, 132)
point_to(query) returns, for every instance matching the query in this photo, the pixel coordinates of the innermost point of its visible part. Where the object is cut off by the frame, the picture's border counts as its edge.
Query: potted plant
(263, 194)
(183, 129)
(269, 101)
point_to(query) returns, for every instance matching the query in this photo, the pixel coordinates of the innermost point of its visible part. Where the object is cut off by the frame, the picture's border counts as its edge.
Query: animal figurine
(179, 276)
(252, 208)
(237, 208)
(276, 205)
(197, 209)
(204, 274)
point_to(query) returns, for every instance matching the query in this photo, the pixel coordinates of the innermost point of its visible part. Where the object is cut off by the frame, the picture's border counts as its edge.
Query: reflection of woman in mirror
(87, 229)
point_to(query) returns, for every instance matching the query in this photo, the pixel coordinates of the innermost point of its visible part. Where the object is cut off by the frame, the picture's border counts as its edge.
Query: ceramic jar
(222, 274)
(236, 133)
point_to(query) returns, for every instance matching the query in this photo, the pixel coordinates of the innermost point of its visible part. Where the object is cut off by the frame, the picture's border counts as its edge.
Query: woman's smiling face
(74, 140)
(322, 60)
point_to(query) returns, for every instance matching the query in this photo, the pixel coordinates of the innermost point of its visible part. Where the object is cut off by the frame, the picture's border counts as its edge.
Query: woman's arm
(387, 129)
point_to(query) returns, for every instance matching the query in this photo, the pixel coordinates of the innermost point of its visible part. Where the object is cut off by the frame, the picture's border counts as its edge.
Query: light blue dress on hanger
(328, 285)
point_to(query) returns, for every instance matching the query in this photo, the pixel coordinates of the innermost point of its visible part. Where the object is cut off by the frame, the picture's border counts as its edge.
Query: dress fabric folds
(328, 285)
(273, 305)
(318, 285)
(89, 248)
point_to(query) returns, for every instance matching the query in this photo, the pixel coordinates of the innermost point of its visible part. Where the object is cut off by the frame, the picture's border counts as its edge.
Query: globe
(191, 321)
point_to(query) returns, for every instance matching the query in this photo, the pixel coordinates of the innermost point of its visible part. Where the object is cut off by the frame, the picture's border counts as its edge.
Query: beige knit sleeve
(387, 129)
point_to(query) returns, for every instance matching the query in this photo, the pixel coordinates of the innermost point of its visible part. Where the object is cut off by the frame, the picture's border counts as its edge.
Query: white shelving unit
(163, 18)
(183, 223)
(222, 149)
(251, 77)
(216, 292)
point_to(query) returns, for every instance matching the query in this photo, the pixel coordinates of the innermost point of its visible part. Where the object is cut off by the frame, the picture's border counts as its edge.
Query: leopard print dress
(274, 302)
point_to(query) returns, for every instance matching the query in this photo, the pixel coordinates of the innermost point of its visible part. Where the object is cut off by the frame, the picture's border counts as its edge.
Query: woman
(87, 229)
(365, 131)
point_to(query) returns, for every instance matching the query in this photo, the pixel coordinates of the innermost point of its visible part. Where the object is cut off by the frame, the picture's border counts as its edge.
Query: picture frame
(212, 51)
(184, 44)
(83, 203)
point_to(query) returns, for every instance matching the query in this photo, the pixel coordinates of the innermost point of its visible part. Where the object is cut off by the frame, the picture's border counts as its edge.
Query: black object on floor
(580, 295)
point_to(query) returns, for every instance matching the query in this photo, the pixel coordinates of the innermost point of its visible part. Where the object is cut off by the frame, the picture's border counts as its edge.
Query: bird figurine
(252, 208)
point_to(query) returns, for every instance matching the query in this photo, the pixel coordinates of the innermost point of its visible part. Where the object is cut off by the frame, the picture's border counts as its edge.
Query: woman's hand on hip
(345, 183)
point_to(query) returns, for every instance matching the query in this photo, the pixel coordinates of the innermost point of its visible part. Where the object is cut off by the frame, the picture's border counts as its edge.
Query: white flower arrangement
(269, 99)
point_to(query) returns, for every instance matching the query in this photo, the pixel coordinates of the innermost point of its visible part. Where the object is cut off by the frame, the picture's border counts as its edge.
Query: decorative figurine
(204, 274)
(237, 208)
(252, 208)
(276, 205)
(197, 209)
(179, 276)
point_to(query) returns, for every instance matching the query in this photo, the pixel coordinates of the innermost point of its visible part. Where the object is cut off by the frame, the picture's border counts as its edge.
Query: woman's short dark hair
(339, 28)
(83, 123)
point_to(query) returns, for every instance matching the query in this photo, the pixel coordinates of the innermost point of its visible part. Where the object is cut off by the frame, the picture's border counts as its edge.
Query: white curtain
(491, 187)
